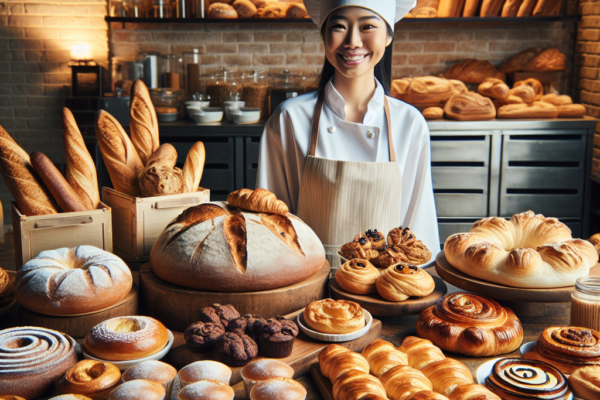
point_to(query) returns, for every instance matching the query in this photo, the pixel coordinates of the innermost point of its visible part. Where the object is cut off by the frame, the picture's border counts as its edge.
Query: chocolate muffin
(204, 336)
(218, 314)
(239, 326)
(236, 350)
(277, 336)
(255, 324)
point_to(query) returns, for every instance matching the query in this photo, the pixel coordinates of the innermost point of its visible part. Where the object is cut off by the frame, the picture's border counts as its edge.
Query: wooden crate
(34, 234)
(138, 221)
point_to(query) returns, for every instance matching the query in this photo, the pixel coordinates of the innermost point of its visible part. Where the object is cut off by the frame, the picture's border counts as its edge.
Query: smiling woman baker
(349, 158)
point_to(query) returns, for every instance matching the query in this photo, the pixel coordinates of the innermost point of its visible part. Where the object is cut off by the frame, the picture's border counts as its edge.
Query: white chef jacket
(285, 144)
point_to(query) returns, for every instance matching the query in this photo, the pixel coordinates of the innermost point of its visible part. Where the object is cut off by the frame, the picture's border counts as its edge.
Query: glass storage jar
(255, 92)
(585, 303)
(285, 85)
(192, 75)
(171, 71)
(163, 8)
(221, 86)
(122, 76)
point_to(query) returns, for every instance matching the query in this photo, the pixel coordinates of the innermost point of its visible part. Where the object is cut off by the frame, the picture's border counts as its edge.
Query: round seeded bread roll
(72, 281)
(220, 248)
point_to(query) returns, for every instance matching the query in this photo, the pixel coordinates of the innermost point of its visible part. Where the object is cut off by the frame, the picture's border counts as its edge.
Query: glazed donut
(382, 356)
(528, 251)
(533, 83)
(32, 359)
(357, 276)
(567, 348)
(155, 371)
(517, 378)
(207, 390)
(91, 378)
(399, 282)
(221, 11)
(334, 316)
(71, 281)
(472, 325)
(126, 338)
(204, 370)
(139, 390)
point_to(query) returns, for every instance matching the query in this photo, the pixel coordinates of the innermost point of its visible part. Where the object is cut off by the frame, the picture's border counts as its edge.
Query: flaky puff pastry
(356, 384)
(383, 356)
(326, 356)
(402, 382)
(472, 325)
(473, 392)
(399, 282)
(420, 352)
(447, 374)
(334, 316)
(404, 241)
(585, 382)
(357, 276)
(341, 363)
(362, 248)
(427, 395)
(91, 378)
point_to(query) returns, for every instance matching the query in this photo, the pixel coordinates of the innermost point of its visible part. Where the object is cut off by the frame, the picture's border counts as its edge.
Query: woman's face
(355, 40)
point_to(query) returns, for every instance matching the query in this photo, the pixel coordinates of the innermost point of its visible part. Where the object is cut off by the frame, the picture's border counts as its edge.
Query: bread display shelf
(138, 221)
(305, 353)
(34, 234)
(376, 305)
(78, 326)
(7, 308)
(177, 307)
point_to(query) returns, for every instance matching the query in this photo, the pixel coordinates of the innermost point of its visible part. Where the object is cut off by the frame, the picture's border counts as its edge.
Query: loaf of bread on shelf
(221, 11)
(29, 192)
(547, 8)
(245, 8)
(296, 11)
(450, 8)
(423, 92)
(571, 111)
(535, 59)
(433, 113)
(473, 71)
(469, 107)
(518, 62)
(471, 8)
(533, 83)
(526, 8)
(557, 100)
(81, 170)
(511, 8)
(424, 9)
(490, 8)
(259, 200)
(526, 93)
(494, 89)
(538, 109)
(143, 122)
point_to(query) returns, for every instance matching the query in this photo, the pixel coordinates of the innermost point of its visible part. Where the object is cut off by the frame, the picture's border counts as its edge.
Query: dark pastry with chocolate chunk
(255, 323)
(218, 314)
(277, 337)
(391, 256)
(361, 248)
(204, 336)
(239, 326)
(236, 350)
(376, 238)
(405, 241)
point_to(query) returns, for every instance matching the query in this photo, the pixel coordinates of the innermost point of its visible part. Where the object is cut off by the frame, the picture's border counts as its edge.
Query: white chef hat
(391, 11)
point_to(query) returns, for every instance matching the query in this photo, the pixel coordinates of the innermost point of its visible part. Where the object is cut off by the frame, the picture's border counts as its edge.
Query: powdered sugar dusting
(139, 390)
(148, 327)
(266, 368)
(205, 370)
(156, 371)
(207, 390)
(279, 389)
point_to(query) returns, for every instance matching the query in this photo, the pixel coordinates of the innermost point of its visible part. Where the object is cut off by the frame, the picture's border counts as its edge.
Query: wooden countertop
(394, 329)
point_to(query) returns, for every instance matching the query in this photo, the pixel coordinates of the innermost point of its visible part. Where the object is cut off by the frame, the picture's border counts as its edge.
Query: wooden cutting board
(323, 384)
(306, 351)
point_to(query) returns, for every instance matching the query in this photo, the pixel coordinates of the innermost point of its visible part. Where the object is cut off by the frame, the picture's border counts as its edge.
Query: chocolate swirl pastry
(218, 314)
(204, 336)
(376, 238)
(32, 359)
(276, 337)
(404, 241)
(362, 248)
(472, 325)
(236, 350)
(518, 378)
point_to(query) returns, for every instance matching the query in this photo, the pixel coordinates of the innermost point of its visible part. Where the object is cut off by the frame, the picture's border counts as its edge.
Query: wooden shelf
(406, 21)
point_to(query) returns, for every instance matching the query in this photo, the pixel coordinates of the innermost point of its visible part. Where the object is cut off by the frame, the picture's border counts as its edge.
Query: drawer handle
(188, 201)
(56, 222)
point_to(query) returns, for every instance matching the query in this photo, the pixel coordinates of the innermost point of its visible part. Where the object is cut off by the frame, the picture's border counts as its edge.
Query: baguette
(547, 8)
(571, 111)
(121, 159)
(450, 8)
(491, 8)
(166, 156)
(538, 109)
(194, 167)
(81, 171)
(63, 193)
(471, 7)
(144, 125)
(511, 8)
(30, 194)
(526, 8)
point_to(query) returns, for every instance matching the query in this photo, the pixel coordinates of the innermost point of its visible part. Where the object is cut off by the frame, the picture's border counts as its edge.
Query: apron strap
(314, 133)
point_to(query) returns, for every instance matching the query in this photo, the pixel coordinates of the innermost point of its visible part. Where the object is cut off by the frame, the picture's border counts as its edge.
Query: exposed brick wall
(588, 56)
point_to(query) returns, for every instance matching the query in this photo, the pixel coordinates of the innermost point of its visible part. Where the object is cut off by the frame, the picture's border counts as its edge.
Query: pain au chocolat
(218, 247)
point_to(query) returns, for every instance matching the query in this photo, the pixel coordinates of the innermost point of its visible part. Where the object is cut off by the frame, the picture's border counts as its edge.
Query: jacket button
(370, 134)
(332, 129)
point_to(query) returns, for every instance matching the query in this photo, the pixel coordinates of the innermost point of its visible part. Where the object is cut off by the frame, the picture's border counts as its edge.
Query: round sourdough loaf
(217, 247)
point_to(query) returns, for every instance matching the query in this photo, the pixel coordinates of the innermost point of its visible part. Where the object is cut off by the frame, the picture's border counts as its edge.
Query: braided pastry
(382, 356)
(405, 241)
(420, 352)
(529, 251)
(403, 381)
(400, 282)
(357, 276)
(447, 374)
(326, 356)
(473, 392)
(355, 384)
(472, 325)
(335, 366)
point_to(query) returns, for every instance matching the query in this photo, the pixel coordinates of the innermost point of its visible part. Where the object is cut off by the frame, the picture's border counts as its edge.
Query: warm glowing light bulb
(81, 52)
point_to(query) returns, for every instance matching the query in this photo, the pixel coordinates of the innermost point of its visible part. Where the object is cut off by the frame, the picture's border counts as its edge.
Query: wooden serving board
(305, 352)
(177, 307)
(323, 384)
(377, 305)
(501, 292)
(78, 326)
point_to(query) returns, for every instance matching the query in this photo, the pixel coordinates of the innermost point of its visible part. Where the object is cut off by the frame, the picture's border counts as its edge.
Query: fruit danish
(357, 276)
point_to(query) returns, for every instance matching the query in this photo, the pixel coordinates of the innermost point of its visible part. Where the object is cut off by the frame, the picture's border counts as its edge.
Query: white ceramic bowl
(169, 117)
(245, 115)
(527, 347)
(335, 338)
(230, 106)
(123, 365)
(207, 115)
(197, 104)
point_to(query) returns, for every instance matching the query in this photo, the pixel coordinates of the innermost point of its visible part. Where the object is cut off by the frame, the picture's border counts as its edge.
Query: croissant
(472, 325)
(326, 355)
(447, 374)
(473, 392)
(343, 362)
(357, 276)
(420, 352)
(259, 200)
(383, 356)
(355, 384)
(398, 283)
(403, 381)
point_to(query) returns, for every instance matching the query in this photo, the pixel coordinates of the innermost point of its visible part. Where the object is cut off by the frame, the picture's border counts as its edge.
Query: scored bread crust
(217, 247)
(144, 124)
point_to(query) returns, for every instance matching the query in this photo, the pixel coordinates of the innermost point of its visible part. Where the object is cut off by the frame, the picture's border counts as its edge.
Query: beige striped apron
(339, 199)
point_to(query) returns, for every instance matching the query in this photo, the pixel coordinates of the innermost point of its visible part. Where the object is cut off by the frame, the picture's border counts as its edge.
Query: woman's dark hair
(383, 69)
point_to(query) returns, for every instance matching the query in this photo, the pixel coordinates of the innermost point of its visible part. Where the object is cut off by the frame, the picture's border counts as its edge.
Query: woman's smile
(353, 59)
